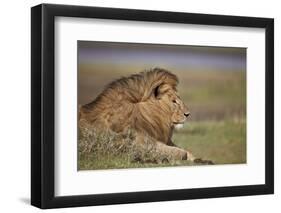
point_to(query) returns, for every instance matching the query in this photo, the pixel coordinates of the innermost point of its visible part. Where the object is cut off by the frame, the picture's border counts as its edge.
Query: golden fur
(147, 102)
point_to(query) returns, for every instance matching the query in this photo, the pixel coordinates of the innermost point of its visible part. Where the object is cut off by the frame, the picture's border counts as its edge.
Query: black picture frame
(43, 102)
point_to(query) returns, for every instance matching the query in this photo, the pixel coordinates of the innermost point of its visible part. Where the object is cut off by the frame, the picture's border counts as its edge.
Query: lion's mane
(126, 104)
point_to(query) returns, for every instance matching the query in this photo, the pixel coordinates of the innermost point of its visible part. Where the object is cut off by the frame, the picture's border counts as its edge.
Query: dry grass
(222, 142)
(107, 149)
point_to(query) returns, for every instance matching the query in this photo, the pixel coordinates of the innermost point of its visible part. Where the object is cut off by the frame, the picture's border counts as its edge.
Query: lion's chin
(178, 126)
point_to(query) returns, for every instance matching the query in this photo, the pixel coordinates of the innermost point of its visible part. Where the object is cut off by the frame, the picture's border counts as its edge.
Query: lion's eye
(175, 101)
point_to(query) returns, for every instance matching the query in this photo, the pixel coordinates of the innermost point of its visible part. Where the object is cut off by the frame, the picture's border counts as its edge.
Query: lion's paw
(203, 162)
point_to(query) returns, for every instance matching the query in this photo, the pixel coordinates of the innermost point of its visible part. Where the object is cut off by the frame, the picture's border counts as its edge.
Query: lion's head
(168, 99)
(147, 102)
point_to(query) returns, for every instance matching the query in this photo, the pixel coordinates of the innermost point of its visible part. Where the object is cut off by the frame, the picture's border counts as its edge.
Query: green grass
(222, 142)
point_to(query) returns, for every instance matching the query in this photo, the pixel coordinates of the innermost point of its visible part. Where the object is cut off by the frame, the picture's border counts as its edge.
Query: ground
(221, 142)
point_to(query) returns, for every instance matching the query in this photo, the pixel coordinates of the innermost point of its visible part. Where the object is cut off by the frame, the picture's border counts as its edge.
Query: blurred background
(212, 79)
(212, 84)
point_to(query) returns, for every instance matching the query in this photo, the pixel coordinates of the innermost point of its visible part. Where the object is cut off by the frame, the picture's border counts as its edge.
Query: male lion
(148, 103)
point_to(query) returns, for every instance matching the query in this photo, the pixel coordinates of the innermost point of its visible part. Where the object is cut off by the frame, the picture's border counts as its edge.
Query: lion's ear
(160, 90)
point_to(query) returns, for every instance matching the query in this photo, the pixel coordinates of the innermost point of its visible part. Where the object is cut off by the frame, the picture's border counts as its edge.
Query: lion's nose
(186, 114)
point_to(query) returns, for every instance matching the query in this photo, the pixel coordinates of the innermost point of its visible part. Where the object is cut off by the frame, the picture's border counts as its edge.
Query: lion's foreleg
(173, 152)
(189, 154)
(162, 151)
(191, 157)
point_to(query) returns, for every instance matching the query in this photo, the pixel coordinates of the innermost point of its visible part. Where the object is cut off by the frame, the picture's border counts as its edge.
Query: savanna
(213, 132)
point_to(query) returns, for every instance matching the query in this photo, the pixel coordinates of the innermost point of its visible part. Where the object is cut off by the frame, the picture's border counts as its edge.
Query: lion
(148, 103)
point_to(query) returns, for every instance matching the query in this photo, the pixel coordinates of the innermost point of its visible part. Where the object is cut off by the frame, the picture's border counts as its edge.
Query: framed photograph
(139, 106)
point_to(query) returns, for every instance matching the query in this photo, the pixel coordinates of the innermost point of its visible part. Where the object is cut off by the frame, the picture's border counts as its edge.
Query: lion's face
(174, 106)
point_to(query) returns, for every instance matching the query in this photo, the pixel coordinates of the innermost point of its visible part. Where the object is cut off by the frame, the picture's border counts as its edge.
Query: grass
(108, 150)
(222, 142)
